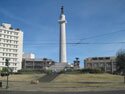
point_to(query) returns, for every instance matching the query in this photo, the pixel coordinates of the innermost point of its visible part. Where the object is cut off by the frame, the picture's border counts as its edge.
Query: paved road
(40, 92)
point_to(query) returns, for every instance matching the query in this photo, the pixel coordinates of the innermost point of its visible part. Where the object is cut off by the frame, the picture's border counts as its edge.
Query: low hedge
(91, 70)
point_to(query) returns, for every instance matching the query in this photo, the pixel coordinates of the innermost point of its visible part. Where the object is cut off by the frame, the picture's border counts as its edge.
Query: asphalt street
(40, 92)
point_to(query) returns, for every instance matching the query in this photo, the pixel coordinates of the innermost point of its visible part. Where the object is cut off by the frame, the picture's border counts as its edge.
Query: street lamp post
(45, 61)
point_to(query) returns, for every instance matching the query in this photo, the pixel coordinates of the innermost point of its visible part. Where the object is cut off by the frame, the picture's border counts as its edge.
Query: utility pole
(124, 74)
(7, 64)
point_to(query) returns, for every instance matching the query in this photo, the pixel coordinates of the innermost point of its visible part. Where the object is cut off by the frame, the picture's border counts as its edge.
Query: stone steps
(58, 67)
(48, 77)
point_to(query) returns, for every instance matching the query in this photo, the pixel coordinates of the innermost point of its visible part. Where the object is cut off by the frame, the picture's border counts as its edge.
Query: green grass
(22, 77)
(66, 82)
(88, 78)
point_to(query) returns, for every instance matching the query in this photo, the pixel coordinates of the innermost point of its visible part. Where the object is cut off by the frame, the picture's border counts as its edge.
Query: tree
(120, 62)
(4, 71)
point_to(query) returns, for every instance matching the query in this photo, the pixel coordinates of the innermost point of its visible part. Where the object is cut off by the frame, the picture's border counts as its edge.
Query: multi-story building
(28, 56)
(104, 63)
(11, 46)
(36, 63)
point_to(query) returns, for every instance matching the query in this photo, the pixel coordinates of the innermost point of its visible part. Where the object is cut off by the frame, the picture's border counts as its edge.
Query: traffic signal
(7, 62)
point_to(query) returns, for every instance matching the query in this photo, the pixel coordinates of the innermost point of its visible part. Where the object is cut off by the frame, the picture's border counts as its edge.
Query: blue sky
(93, 22)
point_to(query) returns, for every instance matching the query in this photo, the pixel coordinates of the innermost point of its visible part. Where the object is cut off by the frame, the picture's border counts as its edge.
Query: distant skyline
(94, 27)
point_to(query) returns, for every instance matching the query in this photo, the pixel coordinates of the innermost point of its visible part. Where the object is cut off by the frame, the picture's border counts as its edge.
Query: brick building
(104, 63)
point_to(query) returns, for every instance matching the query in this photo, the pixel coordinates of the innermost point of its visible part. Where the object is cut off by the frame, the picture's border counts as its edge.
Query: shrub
(29, 71)
(91, 70)
(4, 69)
(48, 71)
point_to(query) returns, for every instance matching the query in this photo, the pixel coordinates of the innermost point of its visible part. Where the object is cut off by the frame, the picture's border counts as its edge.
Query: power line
(100, 43)
(100, 35)
(83, 43)
(80, 41)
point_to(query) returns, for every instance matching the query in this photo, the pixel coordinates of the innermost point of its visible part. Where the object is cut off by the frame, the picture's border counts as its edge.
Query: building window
(2, 63)
(107, 58)
(100, 58)
(94, 58)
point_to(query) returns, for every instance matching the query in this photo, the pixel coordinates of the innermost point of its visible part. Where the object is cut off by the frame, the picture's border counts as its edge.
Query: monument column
(62, 48)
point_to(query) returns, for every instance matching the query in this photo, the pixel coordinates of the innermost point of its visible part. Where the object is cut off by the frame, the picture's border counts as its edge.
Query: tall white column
(62, 49)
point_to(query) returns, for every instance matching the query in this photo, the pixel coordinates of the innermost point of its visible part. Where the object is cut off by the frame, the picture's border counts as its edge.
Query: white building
(29, 55)
(11, 47)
